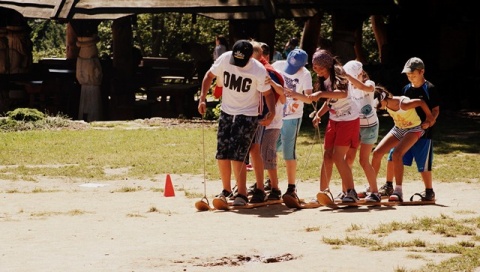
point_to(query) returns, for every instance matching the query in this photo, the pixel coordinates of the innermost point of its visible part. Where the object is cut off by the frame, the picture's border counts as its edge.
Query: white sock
(398, 188)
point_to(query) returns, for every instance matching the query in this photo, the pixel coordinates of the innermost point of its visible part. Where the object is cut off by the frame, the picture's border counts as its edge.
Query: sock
(291, 187)
(398, 188)
(428, 189)
(390, 183)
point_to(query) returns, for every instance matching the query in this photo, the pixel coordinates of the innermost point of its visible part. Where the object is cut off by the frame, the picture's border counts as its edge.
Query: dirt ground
(71, 225)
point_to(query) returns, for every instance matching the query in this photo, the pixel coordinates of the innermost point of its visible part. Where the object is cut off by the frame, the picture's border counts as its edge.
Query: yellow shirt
(405, 118)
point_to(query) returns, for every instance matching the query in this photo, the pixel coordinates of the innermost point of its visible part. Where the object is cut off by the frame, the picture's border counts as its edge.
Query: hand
(202, 108)
(267, 119)
(316, 120)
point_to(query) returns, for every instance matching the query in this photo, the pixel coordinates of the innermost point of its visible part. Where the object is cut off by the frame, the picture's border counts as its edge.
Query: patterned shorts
(234, 136)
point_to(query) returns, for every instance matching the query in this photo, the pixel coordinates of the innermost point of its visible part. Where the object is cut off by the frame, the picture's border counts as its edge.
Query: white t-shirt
(343, 109)
(299, 82)
(242, 86)
(277, 121)
(366, 104)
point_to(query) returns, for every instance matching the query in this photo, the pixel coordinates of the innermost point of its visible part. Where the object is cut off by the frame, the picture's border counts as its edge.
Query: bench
(171, 84)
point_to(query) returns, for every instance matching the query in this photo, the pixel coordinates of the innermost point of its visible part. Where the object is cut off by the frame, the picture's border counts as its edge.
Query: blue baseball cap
(296, 59)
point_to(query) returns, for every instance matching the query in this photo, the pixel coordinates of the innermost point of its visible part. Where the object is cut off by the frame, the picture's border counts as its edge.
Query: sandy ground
(70, 225)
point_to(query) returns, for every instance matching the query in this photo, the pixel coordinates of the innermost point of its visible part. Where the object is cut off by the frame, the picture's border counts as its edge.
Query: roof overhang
(216, 9)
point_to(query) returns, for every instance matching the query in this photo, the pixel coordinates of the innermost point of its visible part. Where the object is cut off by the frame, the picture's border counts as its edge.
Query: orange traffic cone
(168, 187)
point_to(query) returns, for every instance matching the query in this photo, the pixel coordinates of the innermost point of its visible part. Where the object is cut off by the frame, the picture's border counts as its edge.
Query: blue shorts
(287, 142)
(234, 136)
(422, 152)
(369, 135)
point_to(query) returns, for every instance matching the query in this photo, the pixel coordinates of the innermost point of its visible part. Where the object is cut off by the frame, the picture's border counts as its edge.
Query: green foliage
(48, 39)
(162, 35)
(26, 114)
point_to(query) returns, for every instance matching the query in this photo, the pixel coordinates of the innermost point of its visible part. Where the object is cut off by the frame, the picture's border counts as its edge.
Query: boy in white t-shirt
(243, 82)
(298, 80)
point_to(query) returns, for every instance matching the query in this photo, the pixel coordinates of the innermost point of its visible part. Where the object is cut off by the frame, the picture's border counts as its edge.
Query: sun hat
(353, 68)
(412, 65)
(242, 50)
(322, 58)
(296, 59)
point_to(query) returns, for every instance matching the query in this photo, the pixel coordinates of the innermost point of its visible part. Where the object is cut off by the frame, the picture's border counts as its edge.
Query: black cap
(241, 52)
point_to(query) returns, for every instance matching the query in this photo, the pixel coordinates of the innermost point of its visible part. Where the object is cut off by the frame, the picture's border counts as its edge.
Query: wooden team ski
(203, 205)
(294, 203)
(223, 205)
(325, 199)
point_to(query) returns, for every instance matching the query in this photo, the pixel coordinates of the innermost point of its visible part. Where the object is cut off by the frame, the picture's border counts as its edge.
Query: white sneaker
(240, 200)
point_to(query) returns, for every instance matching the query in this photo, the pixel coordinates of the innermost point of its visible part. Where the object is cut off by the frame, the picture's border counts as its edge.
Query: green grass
(468, 252)
(157, 150)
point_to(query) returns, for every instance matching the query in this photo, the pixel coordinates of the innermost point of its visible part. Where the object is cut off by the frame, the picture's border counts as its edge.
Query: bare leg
(390, 171)
(427, 179)
(291, 171)
(240, 173)
(225, 169)
(365, 150)
(326, 170)
(397, 157)
(257, 162)
(343, 168)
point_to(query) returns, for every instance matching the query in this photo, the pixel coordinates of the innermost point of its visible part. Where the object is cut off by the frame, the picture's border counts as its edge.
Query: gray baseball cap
(412, 65)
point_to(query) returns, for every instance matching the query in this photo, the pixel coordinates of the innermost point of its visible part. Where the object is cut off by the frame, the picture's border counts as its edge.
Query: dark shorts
(234, 136)
(422, 152)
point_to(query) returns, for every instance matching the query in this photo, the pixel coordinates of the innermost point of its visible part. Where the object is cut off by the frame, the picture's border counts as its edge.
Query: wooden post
(89, 74)
(122, 93)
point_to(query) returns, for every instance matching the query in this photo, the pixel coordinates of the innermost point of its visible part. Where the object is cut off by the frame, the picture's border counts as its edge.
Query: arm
(336, 94)
(276, 88)
(270, 100)
(413, 103)
(318, 116)
(300, 96)
(360, 85)
(206, 83)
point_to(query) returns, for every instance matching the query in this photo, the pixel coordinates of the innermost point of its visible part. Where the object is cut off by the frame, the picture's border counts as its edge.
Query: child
(362, 92)
(407, 130)
(422, 150)
(243, 84)
(297, 80)
(343, 126)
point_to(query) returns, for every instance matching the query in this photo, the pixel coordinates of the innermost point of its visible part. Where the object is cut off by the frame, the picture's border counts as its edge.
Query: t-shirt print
(291, 104)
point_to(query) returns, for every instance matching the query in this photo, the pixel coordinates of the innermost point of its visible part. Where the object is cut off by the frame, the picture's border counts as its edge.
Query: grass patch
(467, 250)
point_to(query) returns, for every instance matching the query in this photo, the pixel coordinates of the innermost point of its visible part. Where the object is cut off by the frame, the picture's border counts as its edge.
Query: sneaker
(267, 185)
(373, 197)
(275, 194)
(240, 200)
(234, 193)
(364, 193)
(224, 195)
(350, 197)
(396, 196)
(428, 195)
(386, 190)
(252, 189)
(339, 197)
(291, 192)
(249, 167)
(258, 196)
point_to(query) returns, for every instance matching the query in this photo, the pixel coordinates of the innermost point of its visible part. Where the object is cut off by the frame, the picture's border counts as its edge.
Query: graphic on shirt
(366, 110)
(291, 104)
(239, 84)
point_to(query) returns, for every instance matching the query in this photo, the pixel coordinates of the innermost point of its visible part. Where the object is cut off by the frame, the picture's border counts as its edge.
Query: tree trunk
(122, 92)
(311, 34)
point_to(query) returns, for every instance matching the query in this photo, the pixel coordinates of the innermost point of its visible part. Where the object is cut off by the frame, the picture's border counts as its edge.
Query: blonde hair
(257, 49)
